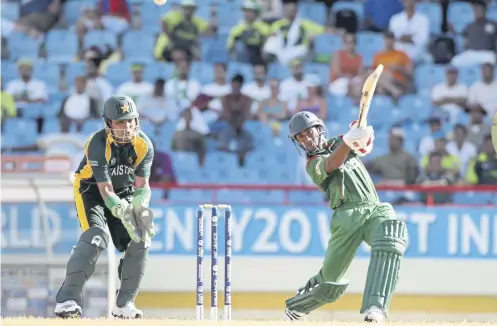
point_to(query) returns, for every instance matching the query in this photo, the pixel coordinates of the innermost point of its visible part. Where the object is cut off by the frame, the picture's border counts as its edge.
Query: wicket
(214, 263)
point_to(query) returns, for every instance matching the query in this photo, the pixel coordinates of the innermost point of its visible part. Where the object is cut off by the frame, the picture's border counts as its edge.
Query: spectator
(137, 87)
(8, 105)
(427, 143)
(219, 88)
(154, 107)
(449, 162)
(482, 169)
(397, 75)
(293, 88)
(189, 136)
(477, 127)
(27, 89)
(412, 31)
(97, 86)
(181, 90)
(162, 169)
(245, 40)
(461, 147)
(258, 89)
(181, 31)
(78, 107)
(272, 110)
(236, 110)
(37, 17)
(110, 15)
(272, 10)
(480, 37)
(434, 174)
(346, 67)
(291, 36)
(315, 101)
(450, 95)
(483, 93)
(398, 167)
(377, 13)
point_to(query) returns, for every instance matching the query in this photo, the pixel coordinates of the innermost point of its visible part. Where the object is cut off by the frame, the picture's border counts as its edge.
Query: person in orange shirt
(397, 74)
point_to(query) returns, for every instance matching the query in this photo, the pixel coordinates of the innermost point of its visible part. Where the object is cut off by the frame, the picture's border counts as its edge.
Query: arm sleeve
(316, 169)
(96, 157)
(145, 153)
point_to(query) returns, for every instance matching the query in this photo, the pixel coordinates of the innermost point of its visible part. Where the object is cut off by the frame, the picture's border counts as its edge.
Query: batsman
(111, 191)
(358, 215)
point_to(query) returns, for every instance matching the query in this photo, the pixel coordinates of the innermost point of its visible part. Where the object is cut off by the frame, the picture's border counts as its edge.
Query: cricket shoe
(375, 315)
(129, 311)
(294, 315)
(68, 309)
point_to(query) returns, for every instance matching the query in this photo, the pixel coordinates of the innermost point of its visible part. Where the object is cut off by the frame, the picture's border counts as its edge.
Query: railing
(429, 190)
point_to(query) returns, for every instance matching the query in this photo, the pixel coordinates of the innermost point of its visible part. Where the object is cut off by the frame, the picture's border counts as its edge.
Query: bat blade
(367, 95)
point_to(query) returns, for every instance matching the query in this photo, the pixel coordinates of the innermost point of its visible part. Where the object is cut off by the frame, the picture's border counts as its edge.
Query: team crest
(125, 107)
(131, 160)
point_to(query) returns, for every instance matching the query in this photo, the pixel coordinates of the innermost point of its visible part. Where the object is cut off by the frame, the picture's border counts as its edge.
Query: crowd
(231, 64)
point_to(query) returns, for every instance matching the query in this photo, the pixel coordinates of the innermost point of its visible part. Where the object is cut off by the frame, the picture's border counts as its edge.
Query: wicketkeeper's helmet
(120, 107)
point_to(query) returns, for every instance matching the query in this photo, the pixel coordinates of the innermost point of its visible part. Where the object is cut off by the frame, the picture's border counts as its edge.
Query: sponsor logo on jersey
(318, 166)
(93, 163)
(121, 170)
(350, 165)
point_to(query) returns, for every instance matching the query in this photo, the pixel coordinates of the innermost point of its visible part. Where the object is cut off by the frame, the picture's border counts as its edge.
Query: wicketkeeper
(111, 189)
(358, 215)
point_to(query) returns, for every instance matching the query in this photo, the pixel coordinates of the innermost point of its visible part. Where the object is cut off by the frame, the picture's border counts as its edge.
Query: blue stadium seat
(415, 108)
(21, 132)
(74, 70)
(492, 11)
(10, 11)
(428, 75)
(469, 74)
(327, 44)
(214, 48)
(101, 39)
(156, 70)
(21, 45)
(118, 73)
(61, 46)
(357, 7)
(240, 68)
(72, 10)
(92, 125)
(321, 70)
(473, 198)
(460, 14)
(434, 13)
(184, 161)
(150, 17)
(49, 72)
(138, 46)
(216, 160)
(9, 71)
(315, 11)
(368, 44)
(203, 72)
(51, 126)
(228, 16)
(50, 109)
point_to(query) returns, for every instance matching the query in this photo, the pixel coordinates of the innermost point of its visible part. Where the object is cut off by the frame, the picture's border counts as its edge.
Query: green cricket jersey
(105, 161)
(348, 184)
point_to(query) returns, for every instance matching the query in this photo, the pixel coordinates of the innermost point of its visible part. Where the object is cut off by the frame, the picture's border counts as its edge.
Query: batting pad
(387, 249)
(317, 296)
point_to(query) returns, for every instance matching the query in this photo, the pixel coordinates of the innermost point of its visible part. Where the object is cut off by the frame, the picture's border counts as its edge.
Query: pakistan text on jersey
(121, 170)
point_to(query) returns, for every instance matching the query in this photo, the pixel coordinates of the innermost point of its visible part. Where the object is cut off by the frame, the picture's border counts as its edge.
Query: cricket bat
(367, 96)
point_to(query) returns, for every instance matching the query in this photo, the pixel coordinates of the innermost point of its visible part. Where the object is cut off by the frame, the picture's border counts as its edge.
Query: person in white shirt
(450, 95)
(181, 91)
(412, 31)
(459, 146)
(483, 93)
(97, 86)
(137, 87)
(294, 88)
(153, 107)
(427, 143)
(219, 88)
(258, 89)
(77, 107)
(26, 89)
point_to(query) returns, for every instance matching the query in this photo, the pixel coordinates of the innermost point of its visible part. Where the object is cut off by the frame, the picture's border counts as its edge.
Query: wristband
(141, 197)
(112, 201)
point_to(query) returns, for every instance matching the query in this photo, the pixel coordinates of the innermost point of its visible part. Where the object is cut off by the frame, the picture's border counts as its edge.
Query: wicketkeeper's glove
(124, 212)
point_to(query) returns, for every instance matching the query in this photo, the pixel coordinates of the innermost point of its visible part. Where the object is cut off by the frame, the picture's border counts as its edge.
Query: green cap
(120, 107)
(251, 5)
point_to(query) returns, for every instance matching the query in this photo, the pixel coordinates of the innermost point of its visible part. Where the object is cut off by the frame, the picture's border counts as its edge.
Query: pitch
(177, 322)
